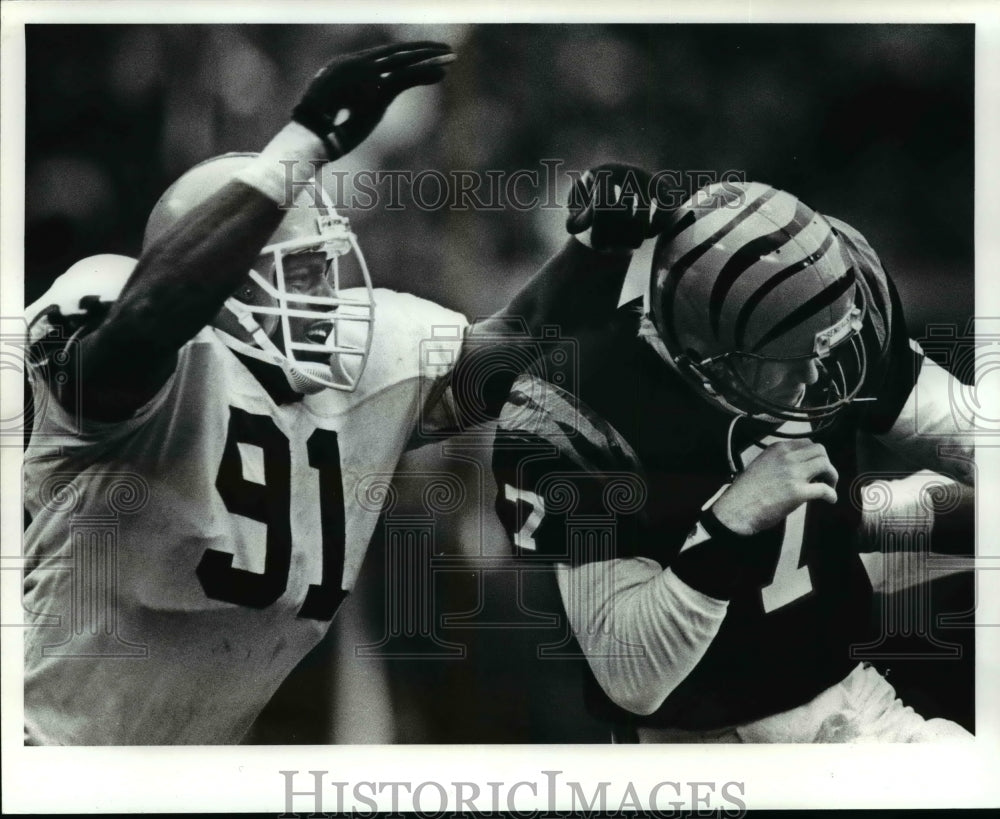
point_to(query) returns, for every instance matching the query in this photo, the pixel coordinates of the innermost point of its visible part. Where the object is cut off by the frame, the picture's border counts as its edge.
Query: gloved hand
(611, 208)
(347, 99)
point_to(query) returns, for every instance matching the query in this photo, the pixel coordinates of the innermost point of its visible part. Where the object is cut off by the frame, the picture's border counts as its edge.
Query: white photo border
(246, 778)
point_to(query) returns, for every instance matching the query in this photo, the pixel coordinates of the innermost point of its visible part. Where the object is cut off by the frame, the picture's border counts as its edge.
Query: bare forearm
(577, 287)
(576, 292)
(203, 238)
(611, 212)
(182, 281)
(177, 287)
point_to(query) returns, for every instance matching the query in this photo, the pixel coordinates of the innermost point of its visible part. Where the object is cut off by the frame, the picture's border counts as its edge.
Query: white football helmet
(333, 350)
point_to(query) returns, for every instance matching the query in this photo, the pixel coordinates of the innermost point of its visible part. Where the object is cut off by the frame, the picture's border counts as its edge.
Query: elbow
(625, 691)
(643, 638)
(641, 706)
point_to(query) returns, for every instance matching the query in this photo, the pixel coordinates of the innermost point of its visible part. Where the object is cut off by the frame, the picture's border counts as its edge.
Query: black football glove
(614, 202)
(347, 99)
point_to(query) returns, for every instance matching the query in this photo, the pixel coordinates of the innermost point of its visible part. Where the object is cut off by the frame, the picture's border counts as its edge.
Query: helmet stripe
(683, 264)
(758, 296)
(749, 254)
(678, 227)
(824, 298)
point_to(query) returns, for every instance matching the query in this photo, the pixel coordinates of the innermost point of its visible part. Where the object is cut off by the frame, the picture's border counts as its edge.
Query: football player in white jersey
(201, 433)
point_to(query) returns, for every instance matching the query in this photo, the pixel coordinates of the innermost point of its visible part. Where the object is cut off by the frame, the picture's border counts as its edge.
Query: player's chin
(332, 368)
(313, 356)
(790, 398)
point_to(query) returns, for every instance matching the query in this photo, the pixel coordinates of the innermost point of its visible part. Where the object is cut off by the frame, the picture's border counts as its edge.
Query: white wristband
(271, 172)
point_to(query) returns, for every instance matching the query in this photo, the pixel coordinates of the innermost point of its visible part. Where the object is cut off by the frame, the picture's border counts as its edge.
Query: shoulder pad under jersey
(546, 412)
(79, 297)
(413, 337)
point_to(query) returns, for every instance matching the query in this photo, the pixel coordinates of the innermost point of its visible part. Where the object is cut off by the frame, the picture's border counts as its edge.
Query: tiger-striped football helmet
(756, 303)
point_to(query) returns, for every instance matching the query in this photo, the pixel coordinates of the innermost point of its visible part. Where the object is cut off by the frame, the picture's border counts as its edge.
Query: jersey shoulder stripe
(564, 476)
(546, 412)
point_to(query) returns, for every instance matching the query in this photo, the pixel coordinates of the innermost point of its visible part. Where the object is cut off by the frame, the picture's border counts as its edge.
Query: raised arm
(182, 279)
(612, 210)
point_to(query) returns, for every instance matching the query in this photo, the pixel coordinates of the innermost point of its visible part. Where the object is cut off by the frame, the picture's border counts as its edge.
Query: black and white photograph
(422, 409)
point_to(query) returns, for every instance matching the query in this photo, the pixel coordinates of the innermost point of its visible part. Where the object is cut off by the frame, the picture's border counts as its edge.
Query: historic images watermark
(521, 189)
(314, 793)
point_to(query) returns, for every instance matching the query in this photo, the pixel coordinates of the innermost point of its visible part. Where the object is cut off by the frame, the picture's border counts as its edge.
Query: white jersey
(189, 557)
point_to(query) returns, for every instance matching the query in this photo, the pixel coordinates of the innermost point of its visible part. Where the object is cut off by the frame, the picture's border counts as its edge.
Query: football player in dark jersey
(695, 492)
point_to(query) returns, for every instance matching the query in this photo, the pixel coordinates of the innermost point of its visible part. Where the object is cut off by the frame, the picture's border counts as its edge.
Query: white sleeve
(936, 427)
(641, 627)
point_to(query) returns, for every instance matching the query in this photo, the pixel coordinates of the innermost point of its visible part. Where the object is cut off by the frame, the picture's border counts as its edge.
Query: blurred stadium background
(870, 123)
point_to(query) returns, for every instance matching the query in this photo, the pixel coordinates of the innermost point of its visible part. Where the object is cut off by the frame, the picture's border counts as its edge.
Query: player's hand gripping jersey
(621, 477)
(194, 553)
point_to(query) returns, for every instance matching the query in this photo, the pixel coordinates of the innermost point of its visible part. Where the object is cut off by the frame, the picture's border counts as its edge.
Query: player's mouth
(319, 332)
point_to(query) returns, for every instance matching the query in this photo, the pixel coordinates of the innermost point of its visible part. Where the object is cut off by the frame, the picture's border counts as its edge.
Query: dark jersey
(622, 468)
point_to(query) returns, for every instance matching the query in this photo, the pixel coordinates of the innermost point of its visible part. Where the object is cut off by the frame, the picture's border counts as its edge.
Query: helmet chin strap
(303, 377)
(649, 333)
